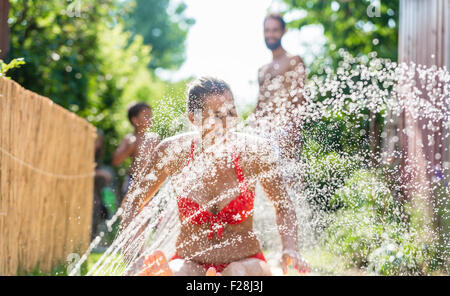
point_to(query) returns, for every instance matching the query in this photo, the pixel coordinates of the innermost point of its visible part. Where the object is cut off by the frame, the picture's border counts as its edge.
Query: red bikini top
(234, 212)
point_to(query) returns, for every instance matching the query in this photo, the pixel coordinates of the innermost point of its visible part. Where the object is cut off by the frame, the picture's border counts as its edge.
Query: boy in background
(138, 145)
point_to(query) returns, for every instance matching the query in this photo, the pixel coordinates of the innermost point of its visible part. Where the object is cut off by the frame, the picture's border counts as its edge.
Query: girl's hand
(292, 257)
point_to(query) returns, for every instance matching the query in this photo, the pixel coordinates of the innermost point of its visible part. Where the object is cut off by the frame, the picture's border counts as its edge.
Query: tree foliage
(164, 27)
(83, 56)
(15, 63)
(360, 27)
(60, 50)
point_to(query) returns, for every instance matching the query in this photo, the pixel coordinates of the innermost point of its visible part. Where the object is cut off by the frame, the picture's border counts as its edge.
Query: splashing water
(332, 186)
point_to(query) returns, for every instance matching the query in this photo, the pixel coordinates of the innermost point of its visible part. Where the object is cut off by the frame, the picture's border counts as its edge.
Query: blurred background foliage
(361, 27)
(96, 57)
(164, 26)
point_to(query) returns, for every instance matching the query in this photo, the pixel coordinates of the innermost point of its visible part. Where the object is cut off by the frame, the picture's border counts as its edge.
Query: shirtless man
(140, 142)
(281, 83)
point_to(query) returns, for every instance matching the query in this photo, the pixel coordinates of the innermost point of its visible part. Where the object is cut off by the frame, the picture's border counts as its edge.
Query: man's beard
(274, 45)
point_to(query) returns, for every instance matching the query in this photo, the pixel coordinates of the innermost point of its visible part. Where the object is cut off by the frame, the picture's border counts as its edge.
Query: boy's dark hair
(202, 88)
(277, 17)
(135, 109)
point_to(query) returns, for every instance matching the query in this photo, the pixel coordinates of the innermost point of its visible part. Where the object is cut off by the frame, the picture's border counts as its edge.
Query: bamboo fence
(46, 181)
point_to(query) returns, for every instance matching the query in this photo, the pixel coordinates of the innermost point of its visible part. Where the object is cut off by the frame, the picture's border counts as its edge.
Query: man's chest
(273, 70)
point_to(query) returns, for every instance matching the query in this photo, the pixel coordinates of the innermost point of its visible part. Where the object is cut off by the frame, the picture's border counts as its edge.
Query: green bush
(370, 230)
(324, 172)
(353, 235)
(366, 188)
(406, 256)
(338, 131)
(13, 64)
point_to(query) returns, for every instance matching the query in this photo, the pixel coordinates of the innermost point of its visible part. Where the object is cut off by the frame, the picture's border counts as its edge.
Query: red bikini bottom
(220, 267)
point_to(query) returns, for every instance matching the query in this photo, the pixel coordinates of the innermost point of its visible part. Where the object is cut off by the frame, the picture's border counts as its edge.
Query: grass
(62, 268)
(323, 262)
(92, 259)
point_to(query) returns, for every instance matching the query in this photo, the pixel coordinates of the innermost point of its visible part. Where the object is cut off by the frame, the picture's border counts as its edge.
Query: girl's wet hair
(202, 88)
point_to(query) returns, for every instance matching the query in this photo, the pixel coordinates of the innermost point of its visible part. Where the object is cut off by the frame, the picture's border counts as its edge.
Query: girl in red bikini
(215, 173)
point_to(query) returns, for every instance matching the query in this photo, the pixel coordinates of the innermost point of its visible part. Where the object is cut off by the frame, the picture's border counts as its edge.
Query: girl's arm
(273, 185)
(146, 184)
(270, 176)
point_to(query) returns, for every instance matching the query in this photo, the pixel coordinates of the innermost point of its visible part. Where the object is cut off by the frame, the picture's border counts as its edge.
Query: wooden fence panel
(46, 181)
(424, 38)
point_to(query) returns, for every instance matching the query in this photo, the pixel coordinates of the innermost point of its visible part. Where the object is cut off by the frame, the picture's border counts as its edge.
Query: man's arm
(124, 150)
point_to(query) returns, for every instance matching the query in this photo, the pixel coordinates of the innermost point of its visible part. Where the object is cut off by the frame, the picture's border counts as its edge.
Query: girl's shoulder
(178, 142)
